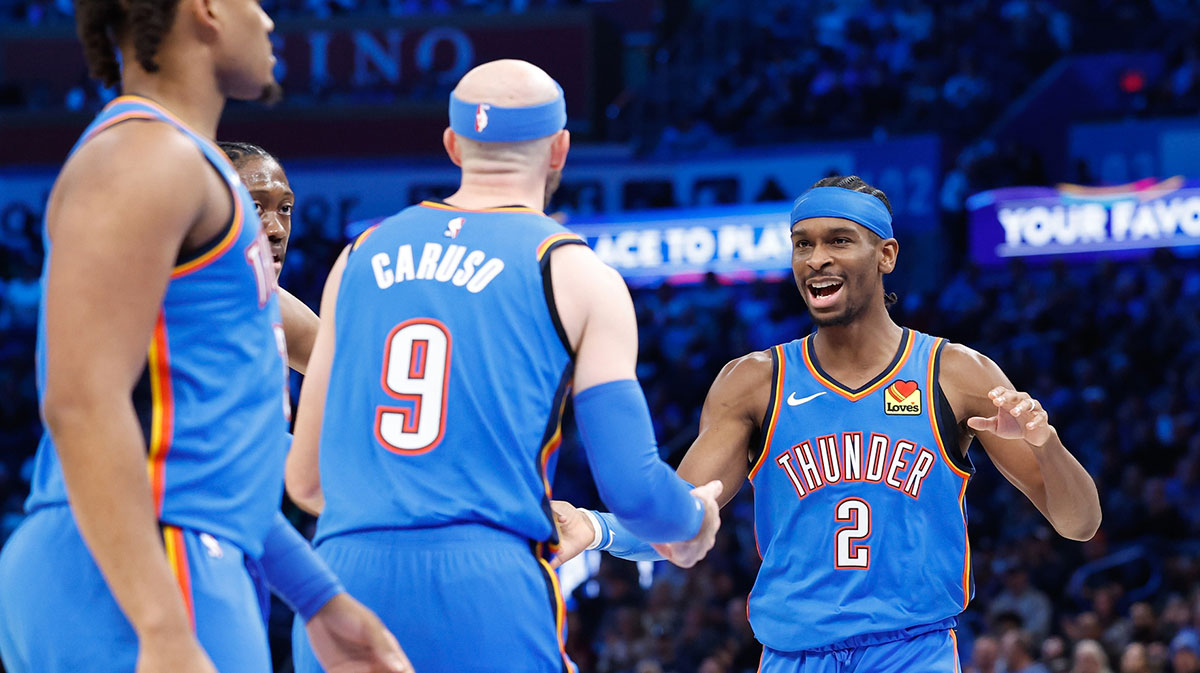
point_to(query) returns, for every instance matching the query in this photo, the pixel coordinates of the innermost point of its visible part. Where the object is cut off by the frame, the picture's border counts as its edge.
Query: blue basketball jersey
(212, 399)
(450, 375)
(858, 499)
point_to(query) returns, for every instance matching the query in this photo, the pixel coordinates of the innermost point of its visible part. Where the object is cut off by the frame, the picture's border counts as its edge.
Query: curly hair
(854, 184)
(239, 153)
(857, 184)
(102, 24)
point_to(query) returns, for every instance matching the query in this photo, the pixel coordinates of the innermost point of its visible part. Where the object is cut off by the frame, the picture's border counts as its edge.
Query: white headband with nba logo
(490, 123)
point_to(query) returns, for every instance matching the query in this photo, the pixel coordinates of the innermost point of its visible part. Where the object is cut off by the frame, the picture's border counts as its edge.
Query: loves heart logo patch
(902, 398)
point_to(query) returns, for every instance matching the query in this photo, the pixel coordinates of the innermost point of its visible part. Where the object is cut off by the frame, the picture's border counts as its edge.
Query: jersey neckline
(171, 116)
(441, 205)
(809, 352)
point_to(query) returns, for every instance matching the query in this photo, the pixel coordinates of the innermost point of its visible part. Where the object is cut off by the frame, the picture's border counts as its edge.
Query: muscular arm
(1025, 448)
(610, 408)
(729, 422)
(302, 474)
(123, 208)
(299, 329)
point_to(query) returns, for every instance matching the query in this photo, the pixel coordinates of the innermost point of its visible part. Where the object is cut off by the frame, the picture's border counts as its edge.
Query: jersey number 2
(416, 374)
(852, 554)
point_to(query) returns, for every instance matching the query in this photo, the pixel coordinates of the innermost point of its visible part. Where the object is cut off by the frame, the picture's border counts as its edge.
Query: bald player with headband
(855, 440)
(451, 336)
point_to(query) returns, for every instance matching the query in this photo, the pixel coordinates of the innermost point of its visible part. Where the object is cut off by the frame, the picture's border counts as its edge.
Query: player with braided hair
(161, 375)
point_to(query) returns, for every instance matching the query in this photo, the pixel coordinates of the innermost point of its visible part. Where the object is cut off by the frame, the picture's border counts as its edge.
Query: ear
(888, 251)
(450, 142)
(558, 150)
(205, 15)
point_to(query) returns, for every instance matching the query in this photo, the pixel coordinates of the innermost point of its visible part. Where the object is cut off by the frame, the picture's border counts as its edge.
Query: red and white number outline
(850, 550)
(412, 416)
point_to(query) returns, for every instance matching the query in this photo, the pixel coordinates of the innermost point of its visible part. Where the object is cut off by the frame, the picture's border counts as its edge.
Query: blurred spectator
(985, 656)
(1089, 658)
(1185, 652)
(1031, 605)
(1135, 659)
(1018, 650)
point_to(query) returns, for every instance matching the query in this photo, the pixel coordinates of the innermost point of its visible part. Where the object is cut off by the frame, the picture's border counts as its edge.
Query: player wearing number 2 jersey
(451, 336)
(854, 439)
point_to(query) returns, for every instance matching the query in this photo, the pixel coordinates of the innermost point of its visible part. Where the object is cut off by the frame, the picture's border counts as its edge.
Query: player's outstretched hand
(179, 653)
(349, 638)
(1018, 416)
(689, 552)
(575, 531)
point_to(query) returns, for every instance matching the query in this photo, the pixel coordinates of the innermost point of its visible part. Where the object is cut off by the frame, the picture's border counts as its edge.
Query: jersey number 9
(416, 374)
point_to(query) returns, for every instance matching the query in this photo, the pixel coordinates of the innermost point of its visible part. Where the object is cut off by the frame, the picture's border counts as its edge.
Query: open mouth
(823, 291)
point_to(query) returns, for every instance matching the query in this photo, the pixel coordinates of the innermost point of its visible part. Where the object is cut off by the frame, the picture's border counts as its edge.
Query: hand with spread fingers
(1018, 416)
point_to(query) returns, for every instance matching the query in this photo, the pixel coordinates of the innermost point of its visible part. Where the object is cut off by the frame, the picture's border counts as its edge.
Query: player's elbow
(1083, 523)
(65, 408)
(1083, 529)
(310, 500)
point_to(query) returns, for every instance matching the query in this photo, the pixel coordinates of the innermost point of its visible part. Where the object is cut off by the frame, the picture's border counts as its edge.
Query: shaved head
(508, 83)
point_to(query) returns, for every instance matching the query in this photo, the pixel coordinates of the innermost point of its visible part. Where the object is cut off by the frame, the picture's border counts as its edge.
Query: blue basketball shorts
(930, 652)
(57, 614)
(466, 598)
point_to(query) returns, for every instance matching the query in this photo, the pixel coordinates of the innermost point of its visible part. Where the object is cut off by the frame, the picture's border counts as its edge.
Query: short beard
(852, 312)
(846, 317)
(271, 93)
(553, 180)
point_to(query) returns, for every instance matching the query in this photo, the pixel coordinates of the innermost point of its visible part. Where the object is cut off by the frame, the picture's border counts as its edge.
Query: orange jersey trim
(769, 431)
(966, 477)
(966, 576)
(176, 547)
(560, 615)
(113, 121)
(843, 391)
(238, 215)
(554, 239)
(363, 236)
(548, 450)
(162, 405)
(231, 236)
(505, 209)
(931, 406)
(132, 98)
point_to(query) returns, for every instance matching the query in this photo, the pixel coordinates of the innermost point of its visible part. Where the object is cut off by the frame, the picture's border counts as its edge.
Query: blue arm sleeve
(650, 500)
(618, 541)
(295, 572)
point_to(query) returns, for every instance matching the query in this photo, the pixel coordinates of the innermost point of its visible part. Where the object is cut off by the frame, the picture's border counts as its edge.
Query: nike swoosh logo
(793, 402)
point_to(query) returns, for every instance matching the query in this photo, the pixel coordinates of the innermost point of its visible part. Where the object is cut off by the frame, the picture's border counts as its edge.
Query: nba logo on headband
(506, 124)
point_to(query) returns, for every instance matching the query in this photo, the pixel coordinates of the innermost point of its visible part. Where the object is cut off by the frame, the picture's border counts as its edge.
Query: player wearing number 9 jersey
(451, 337)
(854, 439)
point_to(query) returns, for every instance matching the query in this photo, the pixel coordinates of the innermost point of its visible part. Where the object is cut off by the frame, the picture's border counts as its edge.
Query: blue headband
(497, 124)
(847, 204)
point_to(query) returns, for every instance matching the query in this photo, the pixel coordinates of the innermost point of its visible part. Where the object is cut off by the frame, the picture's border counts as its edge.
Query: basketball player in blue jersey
(264, 178)
(161, 374)
(855, 441)
(451, 336)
